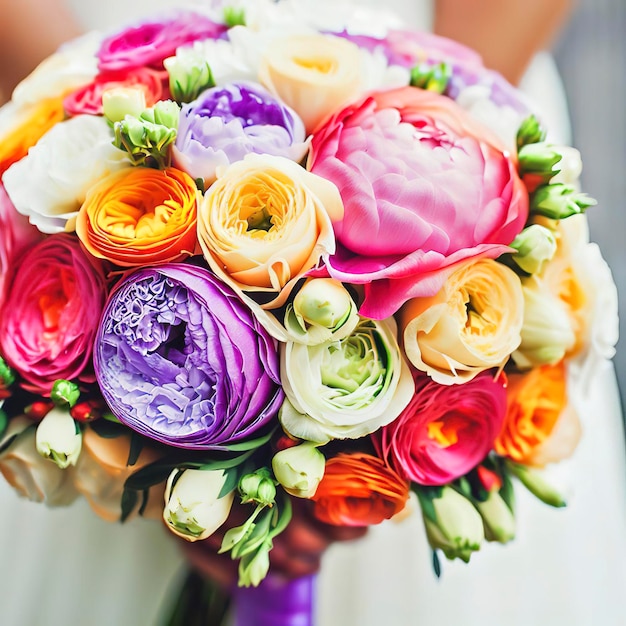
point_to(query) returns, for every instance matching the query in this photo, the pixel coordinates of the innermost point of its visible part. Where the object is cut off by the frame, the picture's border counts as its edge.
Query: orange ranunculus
(103, 468)
(28, 129)
(359, 490)
(539, 427)
(140, 216)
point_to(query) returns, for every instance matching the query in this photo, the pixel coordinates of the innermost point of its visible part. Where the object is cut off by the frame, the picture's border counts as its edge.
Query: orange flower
(103, 468)
(140, 216)
(42, 117)
(359, 490)
(539, 426)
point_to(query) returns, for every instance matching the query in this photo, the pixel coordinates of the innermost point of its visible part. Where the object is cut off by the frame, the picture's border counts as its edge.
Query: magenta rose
(445, 431)
(149, 43)
(424, 187)
(51, 313)
(16, 235)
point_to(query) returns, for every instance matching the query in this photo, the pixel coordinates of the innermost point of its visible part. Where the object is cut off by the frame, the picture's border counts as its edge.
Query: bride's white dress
(568, 566)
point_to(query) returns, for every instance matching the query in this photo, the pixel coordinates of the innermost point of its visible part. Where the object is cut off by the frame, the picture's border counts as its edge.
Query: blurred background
(591, 55)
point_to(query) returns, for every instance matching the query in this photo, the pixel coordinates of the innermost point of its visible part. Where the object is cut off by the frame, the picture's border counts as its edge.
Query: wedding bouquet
(273, 251)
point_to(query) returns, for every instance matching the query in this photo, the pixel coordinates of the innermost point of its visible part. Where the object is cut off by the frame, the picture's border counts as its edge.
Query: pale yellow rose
(103, 468)
(314, 74)
(472, 324)
(265, 222)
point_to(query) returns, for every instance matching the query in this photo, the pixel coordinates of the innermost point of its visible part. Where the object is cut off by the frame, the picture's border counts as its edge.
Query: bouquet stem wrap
(276, 602)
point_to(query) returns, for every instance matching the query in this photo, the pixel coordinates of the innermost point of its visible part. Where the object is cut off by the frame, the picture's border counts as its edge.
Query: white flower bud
(299, 469)
(118, 102)
(59, 438)
(498, 519)
(547, 333)
(193, 507)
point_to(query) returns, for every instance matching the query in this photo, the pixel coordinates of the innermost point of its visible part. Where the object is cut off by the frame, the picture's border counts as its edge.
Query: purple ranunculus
(227, 122)
(180, 359)
(149, 43)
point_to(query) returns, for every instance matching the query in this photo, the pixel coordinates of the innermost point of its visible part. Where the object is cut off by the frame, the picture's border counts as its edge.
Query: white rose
(31, 475)
(51, 182)
(72, 66)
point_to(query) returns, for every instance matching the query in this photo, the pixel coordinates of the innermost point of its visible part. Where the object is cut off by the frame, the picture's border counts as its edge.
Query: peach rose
(472, 324)
(539, 426)
(265, 223)
(359, 489)
(140, 216)
(103, 468)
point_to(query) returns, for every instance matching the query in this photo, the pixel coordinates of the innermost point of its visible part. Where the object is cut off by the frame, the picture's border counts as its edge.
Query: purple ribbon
(276, 602)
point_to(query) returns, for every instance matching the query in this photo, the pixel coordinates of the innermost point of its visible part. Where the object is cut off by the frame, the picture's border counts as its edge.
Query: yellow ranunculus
(472, 324)
(313, 74)
(265, 222)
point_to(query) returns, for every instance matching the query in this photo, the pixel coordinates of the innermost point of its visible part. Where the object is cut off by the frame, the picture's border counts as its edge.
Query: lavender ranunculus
(180, 359)
(227, 122)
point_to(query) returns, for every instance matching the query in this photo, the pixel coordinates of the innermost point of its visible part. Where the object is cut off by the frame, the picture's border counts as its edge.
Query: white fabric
(566, 567)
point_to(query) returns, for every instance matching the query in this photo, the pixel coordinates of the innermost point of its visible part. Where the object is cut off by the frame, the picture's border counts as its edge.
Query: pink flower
(51, 313)
(16, 235)
(88, 99)
(445, 431)
(148, 44)
(424, 187)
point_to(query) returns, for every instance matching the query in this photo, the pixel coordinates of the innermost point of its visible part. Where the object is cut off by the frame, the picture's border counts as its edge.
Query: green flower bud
(455, 527)
(65, 393)
(234, 16)
(431, 77)
(299, 469)
(535, 245)
(535, 483)
(189, 74)
(59, 438)
(530, 131)
(540, 160)
(118, 102)
(147, 138)
(498, 519)
(253, 567)
(7, 376)
(558, 201)
(258, 487)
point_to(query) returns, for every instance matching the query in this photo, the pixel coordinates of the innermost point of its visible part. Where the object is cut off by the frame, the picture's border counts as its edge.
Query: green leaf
(107, 429)
(145, 495)
(252, 444)
(436, 564)
(149, 475)
(284, 513)
(4, 422)
(135, 448)
(230, 482)
(507, 492)
(130, 498)
(426, 495)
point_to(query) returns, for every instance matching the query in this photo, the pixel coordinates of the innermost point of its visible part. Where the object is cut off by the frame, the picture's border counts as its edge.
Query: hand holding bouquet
(266, 253)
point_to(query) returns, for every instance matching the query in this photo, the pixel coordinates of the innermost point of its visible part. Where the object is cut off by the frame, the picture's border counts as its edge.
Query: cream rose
(31, 475)
(265, 222)
(472, 324)
(314, 74)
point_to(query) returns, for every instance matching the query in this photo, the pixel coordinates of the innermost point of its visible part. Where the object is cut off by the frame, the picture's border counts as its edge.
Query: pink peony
(149, 43)
(51, 313)
(16, 235)
(424, 187)
(445, 431)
